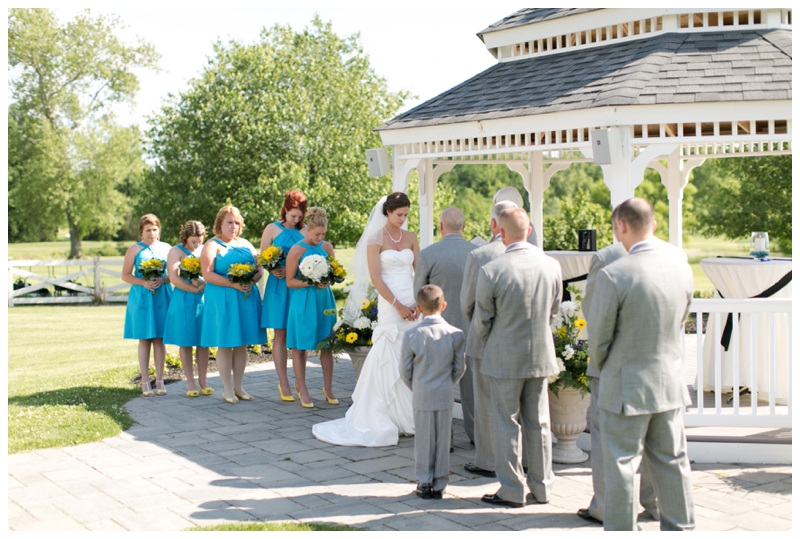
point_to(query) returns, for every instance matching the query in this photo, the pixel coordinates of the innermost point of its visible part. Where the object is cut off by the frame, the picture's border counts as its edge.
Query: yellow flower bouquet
(272, 257)
(189, 268)
(242, 274)
(347, 336)
(151, 269)
(337, 272)
(572, 352)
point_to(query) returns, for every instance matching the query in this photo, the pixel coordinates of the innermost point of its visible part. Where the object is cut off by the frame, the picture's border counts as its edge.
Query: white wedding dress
(381, 409)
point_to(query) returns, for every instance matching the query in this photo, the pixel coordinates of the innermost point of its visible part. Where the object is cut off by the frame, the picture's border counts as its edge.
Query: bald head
(451, 220)
(514, 225)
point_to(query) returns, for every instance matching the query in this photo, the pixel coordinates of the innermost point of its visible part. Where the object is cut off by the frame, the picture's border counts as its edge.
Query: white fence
(758, 358)
(96, 268)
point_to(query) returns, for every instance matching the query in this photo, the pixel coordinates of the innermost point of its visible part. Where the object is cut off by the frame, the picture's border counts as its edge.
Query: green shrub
(577, 213)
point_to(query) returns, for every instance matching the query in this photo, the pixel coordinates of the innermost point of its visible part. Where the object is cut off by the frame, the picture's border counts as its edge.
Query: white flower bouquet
(314, 269)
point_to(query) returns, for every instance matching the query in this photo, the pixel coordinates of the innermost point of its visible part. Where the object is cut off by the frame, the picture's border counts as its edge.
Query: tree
(294, 110)
(747, 194)
(67, 156)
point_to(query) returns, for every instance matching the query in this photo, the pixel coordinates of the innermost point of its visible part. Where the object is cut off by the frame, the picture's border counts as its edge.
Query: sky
(416, 46)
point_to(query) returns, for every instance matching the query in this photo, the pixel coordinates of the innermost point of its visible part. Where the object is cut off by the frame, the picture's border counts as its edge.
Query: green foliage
(173, 359)
(577, 212)
(742, 195)
(294, 110)
(67, 156)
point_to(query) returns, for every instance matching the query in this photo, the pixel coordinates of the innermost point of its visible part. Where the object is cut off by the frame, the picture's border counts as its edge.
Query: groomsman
(638, 307)
(647, 494)
(483, 463)
(517, 296)
(442, 264)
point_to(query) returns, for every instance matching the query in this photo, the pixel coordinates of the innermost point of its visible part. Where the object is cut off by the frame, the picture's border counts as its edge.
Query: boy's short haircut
(430, 298)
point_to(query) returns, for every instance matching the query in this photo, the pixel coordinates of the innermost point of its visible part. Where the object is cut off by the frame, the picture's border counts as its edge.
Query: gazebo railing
(761, 351)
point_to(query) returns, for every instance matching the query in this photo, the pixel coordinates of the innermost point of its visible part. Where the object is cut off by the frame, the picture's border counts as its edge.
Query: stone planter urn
(357, 358)
(567, 420)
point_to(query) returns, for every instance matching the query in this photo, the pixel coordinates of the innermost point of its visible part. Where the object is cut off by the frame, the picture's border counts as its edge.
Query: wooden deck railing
(757, 359)
(81, 294)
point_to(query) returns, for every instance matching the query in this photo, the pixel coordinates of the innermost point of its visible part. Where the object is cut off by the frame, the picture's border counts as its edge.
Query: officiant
(442, 264)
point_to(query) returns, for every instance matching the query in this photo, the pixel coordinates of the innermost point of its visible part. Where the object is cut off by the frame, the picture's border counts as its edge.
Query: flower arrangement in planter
(572, 352)
(346, 336)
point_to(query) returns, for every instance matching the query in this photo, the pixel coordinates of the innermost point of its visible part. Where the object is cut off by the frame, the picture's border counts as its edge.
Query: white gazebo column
(536, 179)
(429, 175)
(401, 168)
(675, 179)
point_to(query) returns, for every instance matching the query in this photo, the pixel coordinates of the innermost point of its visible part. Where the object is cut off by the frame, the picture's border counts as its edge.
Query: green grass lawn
(68, 375)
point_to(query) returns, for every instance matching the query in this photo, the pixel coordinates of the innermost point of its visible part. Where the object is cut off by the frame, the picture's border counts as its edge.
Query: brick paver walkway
(195, 462)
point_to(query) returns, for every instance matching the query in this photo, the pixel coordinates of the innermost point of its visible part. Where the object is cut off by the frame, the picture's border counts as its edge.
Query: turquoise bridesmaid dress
(230, 320)
(146, 313)
(307, 324)
(185, 315)
(276, 294)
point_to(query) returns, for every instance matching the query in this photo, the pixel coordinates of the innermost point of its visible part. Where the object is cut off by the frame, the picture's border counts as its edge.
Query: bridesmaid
(284, 233)
(307, 324)
(232, 311)
(185, 315)
(148, 301)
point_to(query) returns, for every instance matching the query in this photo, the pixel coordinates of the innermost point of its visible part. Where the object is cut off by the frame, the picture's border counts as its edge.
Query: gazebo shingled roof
(669, 68)
(666, 88)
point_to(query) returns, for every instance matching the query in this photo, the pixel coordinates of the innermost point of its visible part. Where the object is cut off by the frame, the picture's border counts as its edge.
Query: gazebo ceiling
(671, 68)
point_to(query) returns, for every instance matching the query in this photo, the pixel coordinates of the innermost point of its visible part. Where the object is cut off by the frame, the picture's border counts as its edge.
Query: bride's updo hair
(316, 216)
(395, 201)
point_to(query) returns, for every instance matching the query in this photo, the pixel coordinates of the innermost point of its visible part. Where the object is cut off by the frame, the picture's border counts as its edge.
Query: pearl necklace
(391, 238)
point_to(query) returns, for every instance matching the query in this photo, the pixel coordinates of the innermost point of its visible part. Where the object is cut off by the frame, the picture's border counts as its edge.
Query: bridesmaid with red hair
(284, 234)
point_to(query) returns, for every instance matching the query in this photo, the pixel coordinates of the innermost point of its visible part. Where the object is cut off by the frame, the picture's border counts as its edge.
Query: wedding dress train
(381, 409)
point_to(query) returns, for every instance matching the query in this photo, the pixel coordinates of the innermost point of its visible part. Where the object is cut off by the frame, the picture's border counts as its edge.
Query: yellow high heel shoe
(147, 392)
(243, 396)
(303, 404)
(285, 398)
(206, 390)
(327, 398)
(160, 391)
(231, 400)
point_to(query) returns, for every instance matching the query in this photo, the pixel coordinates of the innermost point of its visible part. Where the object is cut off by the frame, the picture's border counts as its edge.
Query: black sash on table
(771, 291)
(564, 284)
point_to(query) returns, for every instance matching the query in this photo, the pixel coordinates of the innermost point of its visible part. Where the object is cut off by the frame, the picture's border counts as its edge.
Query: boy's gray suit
(638, 307)
(647, 493)
(516, 298)
(482, 400)
(431, 363)
(442, 264)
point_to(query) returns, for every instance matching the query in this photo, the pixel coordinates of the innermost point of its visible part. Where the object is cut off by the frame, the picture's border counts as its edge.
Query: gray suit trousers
(521, 411)
(432, 447)
(484, 413)
(660, 437)
(647, 493)
(465, 389)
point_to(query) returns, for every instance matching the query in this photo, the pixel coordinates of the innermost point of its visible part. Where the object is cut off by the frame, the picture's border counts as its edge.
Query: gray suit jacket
(516, 298)
(442, 264)
(475, 261)
(431, 362)
(600, 260)
(638, 308)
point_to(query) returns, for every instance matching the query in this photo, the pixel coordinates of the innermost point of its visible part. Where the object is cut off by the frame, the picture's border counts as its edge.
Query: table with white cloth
(574, 265)
(739, 278)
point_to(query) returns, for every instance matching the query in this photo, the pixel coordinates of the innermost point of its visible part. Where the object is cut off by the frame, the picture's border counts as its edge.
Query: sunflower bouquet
(572, 352)
(272, 257)
(189, 268)
(347, 336)
(151, 269)
(242, 274)
(337, 272)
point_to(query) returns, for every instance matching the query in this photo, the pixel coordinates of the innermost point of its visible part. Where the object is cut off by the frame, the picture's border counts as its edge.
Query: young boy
(431, 362)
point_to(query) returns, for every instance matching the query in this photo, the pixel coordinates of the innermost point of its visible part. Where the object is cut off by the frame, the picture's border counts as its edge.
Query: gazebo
(655, 84)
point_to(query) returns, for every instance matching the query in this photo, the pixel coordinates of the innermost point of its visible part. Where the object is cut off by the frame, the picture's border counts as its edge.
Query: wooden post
(98, 293)
(10, 285)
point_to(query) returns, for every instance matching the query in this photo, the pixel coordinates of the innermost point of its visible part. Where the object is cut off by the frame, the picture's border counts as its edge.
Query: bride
(385, 255)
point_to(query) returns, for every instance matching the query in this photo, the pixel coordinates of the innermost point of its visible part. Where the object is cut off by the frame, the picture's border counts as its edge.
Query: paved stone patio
(196, 462)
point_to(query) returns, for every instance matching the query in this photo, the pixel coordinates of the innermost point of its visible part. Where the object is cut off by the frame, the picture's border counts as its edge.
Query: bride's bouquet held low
(347, 336)
(572, 352)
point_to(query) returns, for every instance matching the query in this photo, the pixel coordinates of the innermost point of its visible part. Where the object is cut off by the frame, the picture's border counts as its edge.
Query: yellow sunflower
(351, 337)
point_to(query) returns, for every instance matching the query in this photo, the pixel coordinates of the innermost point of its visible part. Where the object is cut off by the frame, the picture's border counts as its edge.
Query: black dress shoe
(494, 499)
(424, 492)
(471, 468)
(586, 515)
(437, 494)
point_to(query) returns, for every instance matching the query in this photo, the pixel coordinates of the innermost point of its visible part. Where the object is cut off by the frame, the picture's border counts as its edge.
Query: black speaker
(587, 240)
